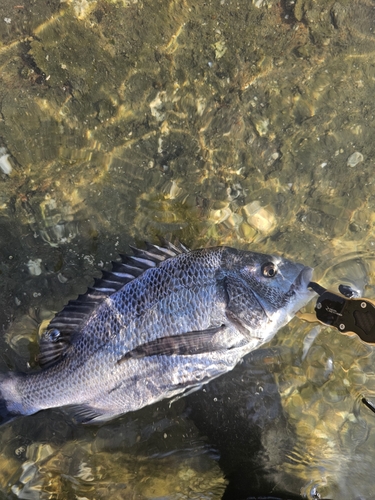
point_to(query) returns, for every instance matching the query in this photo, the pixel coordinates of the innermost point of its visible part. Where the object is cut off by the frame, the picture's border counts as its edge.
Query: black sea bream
(161, 322)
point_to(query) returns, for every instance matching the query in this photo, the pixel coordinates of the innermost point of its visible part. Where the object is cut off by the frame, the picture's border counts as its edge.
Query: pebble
(174, 191)
(354, 159)
(220, 49)
(259, 217)
(262, 126)
(62, 278)
(5, 165)
(218, 216)
(35, 267)
(262, 3)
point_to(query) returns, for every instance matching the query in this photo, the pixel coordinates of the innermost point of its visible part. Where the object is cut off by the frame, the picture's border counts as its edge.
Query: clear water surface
(248, 123)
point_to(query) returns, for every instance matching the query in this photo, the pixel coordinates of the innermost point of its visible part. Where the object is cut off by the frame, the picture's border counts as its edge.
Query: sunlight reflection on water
(249, 124)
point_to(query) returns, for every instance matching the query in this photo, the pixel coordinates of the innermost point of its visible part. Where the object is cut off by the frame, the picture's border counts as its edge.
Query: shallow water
(223, 122)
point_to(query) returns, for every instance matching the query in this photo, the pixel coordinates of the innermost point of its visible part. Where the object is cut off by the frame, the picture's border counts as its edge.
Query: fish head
(265, 291)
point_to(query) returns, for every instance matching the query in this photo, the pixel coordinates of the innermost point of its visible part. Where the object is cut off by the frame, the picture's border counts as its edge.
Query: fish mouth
(303, 279)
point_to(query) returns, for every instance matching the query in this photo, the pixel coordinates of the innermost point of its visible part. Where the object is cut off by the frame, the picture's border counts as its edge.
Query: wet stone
(354, 159)
(338, 12)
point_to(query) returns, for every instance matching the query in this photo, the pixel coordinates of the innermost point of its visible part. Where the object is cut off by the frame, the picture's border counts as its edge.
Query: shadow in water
(241, 415)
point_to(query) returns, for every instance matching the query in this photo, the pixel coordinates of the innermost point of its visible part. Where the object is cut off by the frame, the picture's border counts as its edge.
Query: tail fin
(5, 414)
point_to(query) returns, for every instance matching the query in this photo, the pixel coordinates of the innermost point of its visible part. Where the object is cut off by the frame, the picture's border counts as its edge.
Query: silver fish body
(180, 320)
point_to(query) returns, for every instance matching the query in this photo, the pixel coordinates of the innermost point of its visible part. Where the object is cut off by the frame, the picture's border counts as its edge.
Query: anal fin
(84, 414)
(185, 344)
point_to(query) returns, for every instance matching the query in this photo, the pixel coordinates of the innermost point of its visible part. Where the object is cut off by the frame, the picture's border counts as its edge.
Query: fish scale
(163, 321)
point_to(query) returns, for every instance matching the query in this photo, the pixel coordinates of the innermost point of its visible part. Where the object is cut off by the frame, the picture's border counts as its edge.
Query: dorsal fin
(56, 339)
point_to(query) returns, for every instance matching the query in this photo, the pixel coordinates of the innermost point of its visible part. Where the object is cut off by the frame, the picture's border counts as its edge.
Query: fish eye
(269, 270)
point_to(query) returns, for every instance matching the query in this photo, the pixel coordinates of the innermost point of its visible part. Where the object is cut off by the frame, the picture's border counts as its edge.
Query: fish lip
(303, 279)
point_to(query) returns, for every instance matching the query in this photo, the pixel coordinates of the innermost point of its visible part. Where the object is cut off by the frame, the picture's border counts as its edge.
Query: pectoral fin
(185, 344)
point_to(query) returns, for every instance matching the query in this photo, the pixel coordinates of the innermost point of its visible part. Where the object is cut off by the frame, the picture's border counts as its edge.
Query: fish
(164, 321)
